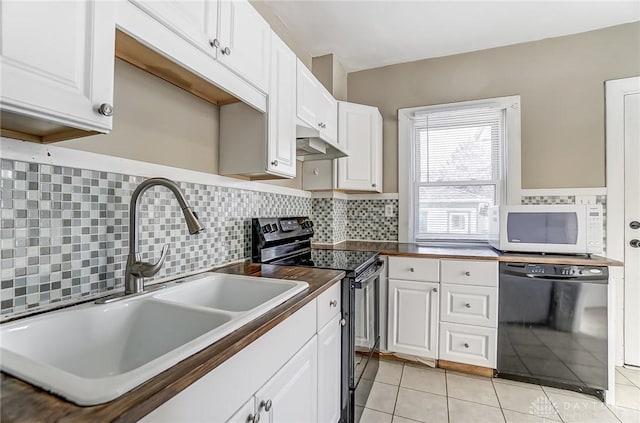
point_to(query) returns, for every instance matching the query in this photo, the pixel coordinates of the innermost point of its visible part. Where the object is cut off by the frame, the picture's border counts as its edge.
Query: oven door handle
(364, 279)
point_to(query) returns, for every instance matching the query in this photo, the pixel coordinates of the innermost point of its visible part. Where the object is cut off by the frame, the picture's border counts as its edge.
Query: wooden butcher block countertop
(474, 253)
(22, 402)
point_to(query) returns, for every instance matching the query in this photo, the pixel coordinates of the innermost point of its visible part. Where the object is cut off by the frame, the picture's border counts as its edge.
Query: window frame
(510, 186)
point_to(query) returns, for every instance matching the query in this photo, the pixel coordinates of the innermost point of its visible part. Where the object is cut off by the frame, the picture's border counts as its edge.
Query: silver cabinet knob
(466, 345)
(253, 418)
(435, 289)
(411, 269)
(320, 124)
(635, 243)
(215, 43)
(374, 185)
(105, 109)
(467, 273)
(226, 51)
(634, 224)
(274, 163)
(467, 305)
(266, 405)
(343, 322)
(334, 303)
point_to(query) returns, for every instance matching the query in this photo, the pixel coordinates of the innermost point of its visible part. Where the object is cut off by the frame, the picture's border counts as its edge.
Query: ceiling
(368, 34)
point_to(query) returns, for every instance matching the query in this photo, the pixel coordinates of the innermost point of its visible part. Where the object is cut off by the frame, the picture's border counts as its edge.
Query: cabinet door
(413, 314)
(328, 110)
(307, 99)
(246, 413)
(292, 394)
(358, 128)
(56, 61)
(194, 20)
(245, 42)
(281, 148)
(329, 342)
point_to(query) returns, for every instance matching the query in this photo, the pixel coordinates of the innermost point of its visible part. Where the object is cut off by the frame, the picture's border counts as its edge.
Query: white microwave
(563, 229)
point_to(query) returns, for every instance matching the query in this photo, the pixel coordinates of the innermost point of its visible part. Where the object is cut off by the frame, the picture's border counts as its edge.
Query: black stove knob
(274, 227)
(266, 229)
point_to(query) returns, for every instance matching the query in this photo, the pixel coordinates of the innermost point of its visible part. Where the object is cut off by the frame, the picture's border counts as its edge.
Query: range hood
(310, 145)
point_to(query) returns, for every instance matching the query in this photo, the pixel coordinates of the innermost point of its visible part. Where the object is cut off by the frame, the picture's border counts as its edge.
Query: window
(454, 167)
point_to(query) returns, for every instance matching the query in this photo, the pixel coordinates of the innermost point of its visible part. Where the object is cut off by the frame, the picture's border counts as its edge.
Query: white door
(291, 396)
(632, 227)
(413, 318)
(623, 201)
(245, 42)
(358, 127)
(56, 61)
(281, 148)
(329, 342)
(194, 20)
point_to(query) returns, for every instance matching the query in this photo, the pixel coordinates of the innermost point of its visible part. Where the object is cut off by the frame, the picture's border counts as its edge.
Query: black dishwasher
(552, 325)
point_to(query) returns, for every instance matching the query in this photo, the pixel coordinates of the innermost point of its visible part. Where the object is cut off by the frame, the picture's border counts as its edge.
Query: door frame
(615, 91)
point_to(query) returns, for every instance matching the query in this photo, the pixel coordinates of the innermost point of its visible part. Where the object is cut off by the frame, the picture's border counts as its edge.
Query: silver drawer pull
(343, 322)
(411, 269)
(467, 305)
(435, 289)
(467, 273)
(334, 303)
(466, 345)
(253, 418)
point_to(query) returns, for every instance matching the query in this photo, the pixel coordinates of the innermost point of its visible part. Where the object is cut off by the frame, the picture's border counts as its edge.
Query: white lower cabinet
(292, 394)
(413, 318)
(329, 343)
(291, 374)
(468, 344)
(221, 393)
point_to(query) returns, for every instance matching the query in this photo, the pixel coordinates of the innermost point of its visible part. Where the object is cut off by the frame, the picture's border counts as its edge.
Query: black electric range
(287, 241)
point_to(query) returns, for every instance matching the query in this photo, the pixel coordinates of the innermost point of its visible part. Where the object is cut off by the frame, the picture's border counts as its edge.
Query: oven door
(365, 335)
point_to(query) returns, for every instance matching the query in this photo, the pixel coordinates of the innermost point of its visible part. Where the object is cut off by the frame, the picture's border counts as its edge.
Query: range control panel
(277, 228)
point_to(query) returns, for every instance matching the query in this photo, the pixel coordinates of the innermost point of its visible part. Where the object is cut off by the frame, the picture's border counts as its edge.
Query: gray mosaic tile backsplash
(329, 217)
(65, 230)
(366, 220)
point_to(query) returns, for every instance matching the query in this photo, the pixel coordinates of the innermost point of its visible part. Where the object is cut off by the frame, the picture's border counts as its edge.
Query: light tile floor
(405, 393)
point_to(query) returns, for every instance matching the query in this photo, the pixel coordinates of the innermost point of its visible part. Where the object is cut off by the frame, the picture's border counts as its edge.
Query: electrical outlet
(388, 210)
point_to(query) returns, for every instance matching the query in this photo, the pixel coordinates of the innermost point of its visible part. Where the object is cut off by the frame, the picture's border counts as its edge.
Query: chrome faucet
(137, 270)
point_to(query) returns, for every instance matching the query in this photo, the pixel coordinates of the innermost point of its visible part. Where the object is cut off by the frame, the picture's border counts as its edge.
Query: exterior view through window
(457, 172)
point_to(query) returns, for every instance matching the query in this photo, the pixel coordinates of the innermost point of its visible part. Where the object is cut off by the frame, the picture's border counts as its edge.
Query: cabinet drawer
(329, 305)
(468, 344)
(469, 272)
(413, 269)
(475, 305)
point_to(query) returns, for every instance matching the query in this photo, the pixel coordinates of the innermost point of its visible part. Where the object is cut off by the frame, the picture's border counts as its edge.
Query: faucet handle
(147, 269)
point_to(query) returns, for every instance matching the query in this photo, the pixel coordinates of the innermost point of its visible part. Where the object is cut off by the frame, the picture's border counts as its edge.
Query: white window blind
(457, 173)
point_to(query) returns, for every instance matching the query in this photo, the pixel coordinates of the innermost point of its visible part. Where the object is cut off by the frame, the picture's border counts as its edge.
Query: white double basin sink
(92, 353)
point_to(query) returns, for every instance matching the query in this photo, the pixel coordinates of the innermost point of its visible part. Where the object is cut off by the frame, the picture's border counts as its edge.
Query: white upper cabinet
(281, 149)
(263, 145)
(360, 133)
(195, 21)
(232, 32)
(328, 113)
(316, 108)
(308, 88)
(245, 40)
(56, 62)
